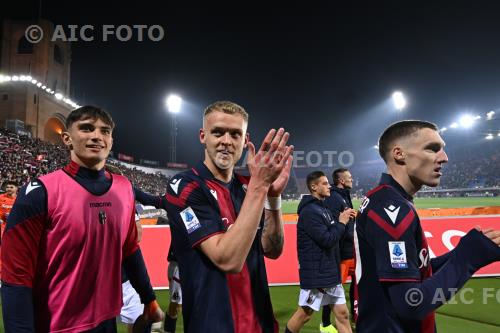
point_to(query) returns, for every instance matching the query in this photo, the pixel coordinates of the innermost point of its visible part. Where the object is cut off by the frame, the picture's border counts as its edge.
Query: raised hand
(272, 159)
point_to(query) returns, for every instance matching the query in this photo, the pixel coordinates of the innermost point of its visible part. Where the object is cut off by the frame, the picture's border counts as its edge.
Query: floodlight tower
(174, 104)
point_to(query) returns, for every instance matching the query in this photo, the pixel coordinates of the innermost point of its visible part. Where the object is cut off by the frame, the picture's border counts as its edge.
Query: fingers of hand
(494, 235)
(251, 150)
(267, 140)
(277, 146)
(284, 159)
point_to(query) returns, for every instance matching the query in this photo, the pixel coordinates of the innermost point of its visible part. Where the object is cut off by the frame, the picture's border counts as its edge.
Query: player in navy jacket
(318, 237)
(398, 285)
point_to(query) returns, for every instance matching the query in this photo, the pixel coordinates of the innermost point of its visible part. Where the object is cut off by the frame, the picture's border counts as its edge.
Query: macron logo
(392, 212)
(100, 204)
(214, 193)
(31, 186)
(174, 184)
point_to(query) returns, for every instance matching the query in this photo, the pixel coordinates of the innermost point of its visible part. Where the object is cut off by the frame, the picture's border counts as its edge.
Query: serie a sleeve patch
(397, 252)
(190, 220)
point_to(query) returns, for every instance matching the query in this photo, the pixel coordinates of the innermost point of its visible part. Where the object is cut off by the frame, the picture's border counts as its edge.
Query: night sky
(325, 71)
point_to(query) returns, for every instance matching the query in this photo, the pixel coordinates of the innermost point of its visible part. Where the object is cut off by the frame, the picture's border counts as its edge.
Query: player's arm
(148, 199)
(399, 273)
(135, 268)
(438, 262)
(416, 300)
(272, 233)
(326, 236)
(229, 250)
(20, 244)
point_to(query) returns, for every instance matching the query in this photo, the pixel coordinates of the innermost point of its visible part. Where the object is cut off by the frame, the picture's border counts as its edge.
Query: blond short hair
(226, 107)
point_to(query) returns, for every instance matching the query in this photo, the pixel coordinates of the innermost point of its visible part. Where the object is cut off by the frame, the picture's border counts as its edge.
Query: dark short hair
(336, 175)
(89, 112)
(11, 182)
(399, 130)
(313, 178)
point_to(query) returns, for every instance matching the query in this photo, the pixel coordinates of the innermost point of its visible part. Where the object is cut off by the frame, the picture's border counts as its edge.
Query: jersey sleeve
(191, 211)
(21, 239)
(20, 243)
(392, 229)
(131, 243)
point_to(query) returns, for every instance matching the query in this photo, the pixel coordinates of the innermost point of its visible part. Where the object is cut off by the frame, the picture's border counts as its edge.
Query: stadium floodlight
(39, 84)
(59, 96)
(454, 125)
(466, 121)
(15, 78)
(174, 103)
(490, 115)
(375, 147)
(489, 137)
(5, 78)
(444, 129)
(498, 134)
(399, 101)
(34, 81)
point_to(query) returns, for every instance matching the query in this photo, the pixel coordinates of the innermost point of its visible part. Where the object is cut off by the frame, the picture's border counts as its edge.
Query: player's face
(346, 180)
(224, 136)
(90, 141)
(322, 187)
(11, 190)
(424, 157)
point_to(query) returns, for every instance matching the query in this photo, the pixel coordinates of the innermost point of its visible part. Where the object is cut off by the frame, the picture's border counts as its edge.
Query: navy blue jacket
(337, 202)
(318, 236)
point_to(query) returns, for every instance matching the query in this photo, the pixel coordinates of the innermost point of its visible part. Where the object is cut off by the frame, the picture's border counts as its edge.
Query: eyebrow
(88, 124)
(434, 145)
(226, 129)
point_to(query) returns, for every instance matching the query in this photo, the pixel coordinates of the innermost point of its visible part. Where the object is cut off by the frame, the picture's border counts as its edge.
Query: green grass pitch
(291, 205)
(456, 317)
(451, 318)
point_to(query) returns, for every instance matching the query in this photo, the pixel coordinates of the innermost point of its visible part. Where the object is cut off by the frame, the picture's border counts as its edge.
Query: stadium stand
(23, 158)
(472, 170)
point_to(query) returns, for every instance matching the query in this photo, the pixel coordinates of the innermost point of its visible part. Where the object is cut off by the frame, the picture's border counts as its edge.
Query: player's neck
(404, 180)
(317, 196)
(224, 175)
(92, 165)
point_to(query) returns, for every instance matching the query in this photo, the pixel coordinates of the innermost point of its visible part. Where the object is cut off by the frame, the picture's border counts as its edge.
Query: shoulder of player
(33, 191)
(312, 211)
(31, 201)
(381, 197)
(183, 187)
(335, 198)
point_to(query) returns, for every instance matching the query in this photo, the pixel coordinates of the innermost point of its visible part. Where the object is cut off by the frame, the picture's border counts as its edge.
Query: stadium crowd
(23, 158)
